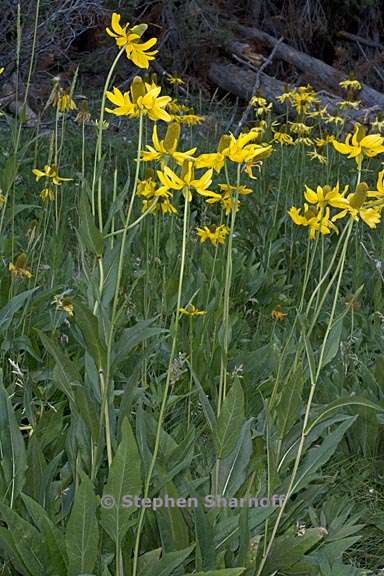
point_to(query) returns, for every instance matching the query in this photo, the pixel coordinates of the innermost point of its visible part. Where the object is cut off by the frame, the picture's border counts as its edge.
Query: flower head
(215, 234)
(138, 52)
(18, 268)
(167, 148)
(191, 310)
(143, 98)
(358, 145)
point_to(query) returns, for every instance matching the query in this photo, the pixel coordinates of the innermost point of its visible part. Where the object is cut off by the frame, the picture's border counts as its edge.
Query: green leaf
(9, 310)
(53, 538)
(168, 563)
(233, 468)
(13, 459)
(82, 533)
(67, 374)
(290, 404)
(133, 336)
(124, 480)
(27, 541)
(230, 421)
(333, 342)
(342, 403)
(90, 235)
(318, 456)
(223, 572)
(88, 325)
(289, 549)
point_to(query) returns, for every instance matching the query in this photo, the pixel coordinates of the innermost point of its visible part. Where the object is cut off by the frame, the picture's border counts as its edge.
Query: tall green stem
(166, 390)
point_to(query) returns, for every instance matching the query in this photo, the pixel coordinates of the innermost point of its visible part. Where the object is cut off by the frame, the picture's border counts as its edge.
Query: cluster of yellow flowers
(316, 214)
(51, 176)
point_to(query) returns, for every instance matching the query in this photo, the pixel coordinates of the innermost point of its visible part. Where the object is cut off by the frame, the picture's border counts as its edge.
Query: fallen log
(360, 40)
(240, 82)
(321, 72)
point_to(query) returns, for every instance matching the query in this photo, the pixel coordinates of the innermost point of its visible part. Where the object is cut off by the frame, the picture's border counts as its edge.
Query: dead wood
(240, 82)
(320, 72)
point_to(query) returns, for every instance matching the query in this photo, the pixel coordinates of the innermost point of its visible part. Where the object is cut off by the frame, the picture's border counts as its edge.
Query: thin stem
(166, 389)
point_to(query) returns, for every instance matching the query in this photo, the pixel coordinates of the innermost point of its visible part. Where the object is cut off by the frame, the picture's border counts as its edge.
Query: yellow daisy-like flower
(278, 314)
(358, 145)
(314, 155)
(167, 148)
(63, 303)
(358, 208)
(191, 310)
(326, 196)
(242, 149)
(260, 105)
(316, 221)
(300, 128)
(47, 194)
(19, 269)
(138, 52)
(143, 98)
(64, 102)
(188, 119)
(282, 138)
(175, 80)
(349, 104)
(215, 234)
(186, 181)
(350, 84)
(51, 173)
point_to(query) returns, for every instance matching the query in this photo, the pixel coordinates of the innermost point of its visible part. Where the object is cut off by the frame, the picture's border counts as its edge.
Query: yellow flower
(214, 160)
(188, 119)
(63, 303)
(282, 138)
(378, 124)
(2, 200)
(2, 69)
(303, 97)
(19, 269)
(191, 310)
(358, 145)
(175, 107)
(47, 194)
(303, 140)
(326, 196)
(357, 207)
(300, 128)
(142, 98)
(215, 234)
(334, 119)
(314, 155)
(278, 314)
(167, 148)
(138, 52)
(321, 142)
(345, 104)
(175, 80)
(261, 105)
(51, 173)
(316, 221)
(64, 102)
(350, 83)
(242, 149)
(155, 199)
(186, 181)
(379, 192)
(230, 188)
